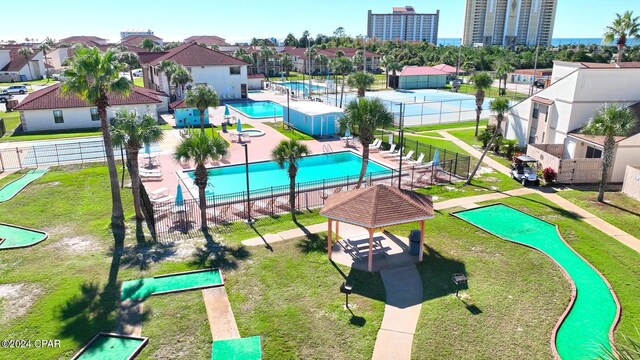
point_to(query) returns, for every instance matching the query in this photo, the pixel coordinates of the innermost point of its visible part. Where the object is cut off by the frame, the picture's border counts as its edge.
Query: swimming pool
(266, 174)
(300, 86)
(258, 109)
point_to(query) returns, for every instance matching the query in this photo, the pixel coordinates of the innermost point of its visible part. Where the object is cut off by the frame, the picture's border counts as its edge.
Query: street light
(401, 132)
(246, 169)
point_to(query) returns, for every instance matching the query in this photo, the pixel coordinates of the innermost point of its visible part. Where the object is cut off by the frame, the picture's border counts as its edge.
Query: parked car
(137, 72)
(539, 83)
(378, 71)
(58, 77)
(15, 89)
(4, 98)
(524, 170)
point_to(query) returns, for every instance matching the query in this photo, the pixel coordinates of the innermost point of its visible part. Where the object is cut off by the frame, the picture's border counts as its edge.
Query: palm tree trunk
(342, 90)
(365, 162)
(484, 153)
(292, 191)
(131, 74)
(202, 120)
(479, 101)
(620, 52)
(29, 67)
(386, 79)
(117, 213)
(607, 158)
(134, 173)
(202, 198)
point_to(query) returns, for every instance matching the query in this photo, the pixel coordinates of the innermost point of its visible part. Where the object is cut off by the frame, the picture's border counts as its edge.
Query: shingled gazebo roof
(378, 206)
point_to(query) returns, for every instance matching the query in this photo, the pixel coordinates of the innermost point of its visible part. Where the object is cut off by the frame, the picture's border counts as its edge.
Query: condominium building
(509, 22)
(130, 32)
(403, 25)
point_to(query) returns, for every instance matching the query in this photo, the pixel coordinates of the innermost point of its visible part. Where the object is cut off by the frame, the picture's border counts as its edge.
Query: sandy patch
(178, 250)
(77, 244)
(484, 170)
(17, 299)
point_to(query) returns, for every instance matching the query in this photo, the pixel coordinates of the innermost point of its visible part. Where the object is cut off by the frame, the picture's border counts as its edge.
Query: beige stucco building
(509, 22)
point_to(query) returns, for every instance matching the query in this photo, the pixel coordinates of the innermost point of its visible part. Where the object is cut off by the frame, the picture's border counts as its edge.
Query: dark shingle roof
(17, 61)
(51, 98)
(192, 54)
(206, 39)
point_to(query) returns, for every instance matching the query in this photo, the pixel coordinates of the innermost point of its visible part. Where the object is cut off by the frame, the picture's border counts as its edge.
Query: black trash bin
(414, 242)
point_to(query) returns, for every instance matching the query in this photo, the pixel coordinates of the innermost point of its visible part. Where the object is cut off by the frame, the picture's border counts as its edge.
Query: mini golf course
(584, 331)
(13, 188)
(105, 346)
(141, 289)
(237, 349)
(13, 237)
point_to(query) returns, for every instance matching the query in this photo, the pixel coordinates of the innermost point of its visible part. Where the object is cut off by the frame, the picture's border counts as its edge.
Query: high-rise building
(129, 32)
(509, 22)
(403, 25)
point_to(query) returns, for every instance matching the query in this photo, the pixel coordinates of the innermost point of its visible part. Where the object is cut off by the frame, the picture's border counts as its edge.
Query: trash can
(414, 242)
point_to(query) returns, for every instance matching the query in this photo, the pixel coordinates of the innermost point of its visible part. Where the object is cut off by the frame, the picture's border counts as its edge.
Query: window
(593, 153)
(234, 70)
(57, 116)
(536, 110)
(94, 114)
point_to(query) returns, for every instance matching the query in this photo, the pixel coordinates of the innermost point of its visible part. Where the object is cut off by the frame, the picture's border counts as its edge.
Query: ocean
(554, 41)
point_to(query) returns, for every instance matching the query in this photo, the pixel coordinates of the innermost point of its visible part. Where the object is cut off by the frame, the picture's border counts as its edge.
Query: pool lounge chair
(158, 193)
(405, 157)
(164, 199)
(391, 150)
(375, 145)
(416, 162)
(398, 152)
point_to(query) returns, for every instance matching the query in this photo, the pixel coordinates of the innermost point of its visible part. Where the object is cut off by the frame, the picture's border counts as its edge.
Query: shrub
(484, 137)
(549, 175)
(509, 147)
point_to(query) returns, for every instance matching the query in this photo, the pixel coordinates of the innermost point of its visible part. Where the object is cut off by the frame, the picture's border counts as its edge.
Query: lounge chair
(406, 157)
(158, 193)
(151, 175)
(375, 145)
(391, 150)
(264, 208)
(398, 152)
(164, 199)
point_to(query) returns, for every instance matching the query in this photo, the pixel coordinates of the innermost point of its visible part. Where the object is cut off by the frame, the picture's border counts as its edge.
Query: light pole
(246, 169)
(288, 112)
(364, 53)
(401, 132)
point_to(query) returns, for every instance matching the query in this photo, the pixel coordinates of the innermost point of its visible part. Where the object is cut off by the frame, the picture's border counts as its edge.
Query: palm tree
(199, 148)
(202, 97)
(503, 69)
(500, 106)
(148, 44)
(363, 116)
(609, 121)
(131, 132)
(46, 45)
(92, 76)
(309, 54)
(481, 81)
(287, 63)
(26, 52)
(343, 66)
(266, 52)
(181, 77)
(130, 59)
(393, 65)
(289, 152)
(361, 81)
(624, 26)
(323, 61)
(168, 67)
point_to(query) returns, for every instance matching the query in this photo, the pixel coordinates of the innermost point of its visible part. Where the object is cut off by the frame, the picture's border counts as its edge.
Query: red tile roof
(207, 40)
(192, 54)
(51, 98)
(86, 40)
(447, 68)
(136, 40)
(421, 70)
(378, 206)
(17, 61)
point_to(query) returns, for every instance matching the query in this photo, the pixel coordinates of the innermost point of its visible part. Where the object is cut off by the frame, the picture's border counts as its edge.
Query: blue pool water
(300, 86)
(264, 175)
(258, 109)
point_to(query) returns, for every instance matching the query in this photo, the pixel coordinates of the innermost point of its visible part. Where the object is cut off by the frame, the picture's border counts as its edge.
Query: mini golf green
(142, 288)
(106, 346)
(12, 237)
(585, 329)
(237, 349)
(13, 188)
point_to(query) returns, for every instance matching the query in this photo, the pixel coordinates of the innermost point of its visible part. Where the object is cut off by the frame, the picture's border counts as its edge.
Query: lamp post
(401, 132)
(288, 112)
(246, 169)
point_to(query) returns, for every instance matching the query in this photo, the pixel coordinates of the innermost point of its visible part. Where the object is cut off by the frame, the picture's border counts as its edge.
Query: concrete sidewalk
(476, 153)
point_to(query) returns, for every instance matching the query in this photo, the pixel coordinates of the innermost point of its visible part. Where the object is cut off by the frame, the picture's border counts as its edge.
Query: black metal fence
(54, 154)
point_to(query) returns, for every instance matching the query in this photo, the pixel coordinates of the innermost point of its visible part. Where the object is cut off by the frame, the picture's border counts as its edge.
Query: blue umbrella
(226, 111)
(347, 133)
(239, 126)
(436, 158)
(147, 150)
(179, 196)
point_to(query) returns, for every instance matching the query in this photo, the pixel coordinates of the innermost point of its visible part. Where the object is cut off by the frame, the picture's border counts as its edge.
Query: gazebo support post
(329, 240)
(421, 250)
(370, 250)
(337, 229)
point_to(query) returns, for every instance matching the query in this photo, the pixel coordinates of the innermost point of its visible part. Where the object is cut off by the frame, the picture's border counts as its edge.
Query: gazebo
(374, 208)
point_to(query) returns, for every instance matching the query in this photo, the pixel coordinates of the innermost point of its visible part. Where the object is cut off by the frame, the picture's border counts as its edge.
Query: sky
(240, 20)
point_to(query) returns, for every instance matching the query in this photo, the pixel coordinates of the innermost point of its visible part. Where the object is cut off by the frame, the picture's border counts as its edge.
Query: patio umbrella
(347, 133)
(179, 196)
(239, 126)
(436, 158)
(147, 150)
(226, 111)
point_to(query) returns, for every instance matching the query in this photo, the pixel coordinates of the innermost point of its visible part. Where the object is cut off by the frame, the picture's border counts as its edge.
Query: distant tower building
(403, 25)
(509, 22)
(129, 32)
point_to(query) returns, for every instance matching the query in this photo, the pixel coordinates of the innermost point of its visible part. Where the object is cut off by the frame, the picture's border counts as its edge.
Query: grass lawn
(11, 177)
(469, 137)
(29, 83)
(493, 92)
(11, 121)
(442, 144)
(445, 126)
(618, 209)
(291, 134)
(138, 81)
(514, 299)
(486, 183)
(617, 262)
(49, 135)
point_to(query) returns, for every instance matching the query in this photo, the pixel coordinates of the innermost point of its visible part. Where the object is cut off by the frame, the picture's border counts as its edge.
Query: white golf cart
(524, 170)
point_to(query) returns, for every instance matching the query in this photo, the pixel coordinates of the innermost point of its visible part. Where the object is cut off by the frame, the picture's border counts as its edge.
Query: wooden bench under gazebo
(374, 208)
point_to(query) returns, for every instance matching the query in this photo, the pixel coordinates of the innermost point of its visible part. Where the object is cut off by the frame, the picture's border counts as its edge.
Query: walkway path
(221, 320)
(403, 287)
(475, 153)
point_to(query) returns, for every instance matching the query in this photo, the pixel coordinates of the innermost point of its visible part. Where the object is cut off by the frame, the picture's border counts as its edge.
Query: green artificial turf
(15, 237)
(237, 349)
(142, 288)
(111, 348)
(13, 188)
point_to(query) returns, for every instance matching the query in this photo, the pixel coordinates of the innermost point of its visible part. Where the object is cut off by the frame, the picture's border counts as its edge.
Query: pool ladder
(327, 149)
